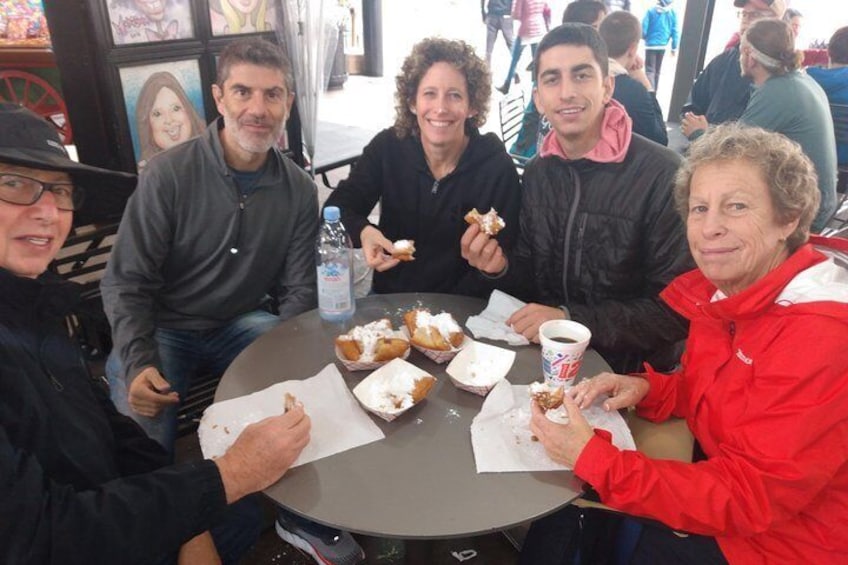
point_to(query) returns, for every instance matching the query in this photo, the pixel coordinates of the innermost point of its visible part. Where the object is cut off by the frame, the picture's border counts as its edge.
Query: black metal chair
(511, 110)
(839, 220)
(83, 260)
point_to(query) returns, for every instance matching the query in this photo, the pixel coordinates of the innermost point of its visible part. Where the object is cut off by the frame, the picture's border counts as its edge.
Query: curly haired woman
(427, 171)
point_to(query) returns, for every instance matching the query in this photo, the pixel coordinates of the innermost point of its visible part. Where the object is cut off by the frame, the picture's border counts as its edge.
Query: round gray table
(421, 480)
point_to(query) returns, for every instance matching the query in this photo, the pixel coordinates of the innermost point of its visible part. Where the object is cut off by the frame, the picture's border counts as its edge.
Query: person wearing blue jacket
(659, 26)
(834, 80)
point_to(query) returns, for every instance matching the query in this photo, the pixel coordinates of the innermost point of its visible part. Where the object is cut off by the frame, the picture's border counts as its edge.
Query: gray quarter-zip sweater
(193, 253)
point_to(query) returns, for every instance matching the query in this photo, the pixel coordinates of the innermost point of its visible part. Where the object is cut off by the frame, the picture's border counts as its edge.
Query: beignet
(403, 250)
(546, 396)
(376, 341)
(490, 223)
(440, 332)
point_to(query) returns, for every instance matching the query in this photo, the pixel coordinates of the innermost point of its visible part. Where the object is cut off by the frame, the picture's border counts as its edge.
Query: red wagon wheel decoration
(36, 94)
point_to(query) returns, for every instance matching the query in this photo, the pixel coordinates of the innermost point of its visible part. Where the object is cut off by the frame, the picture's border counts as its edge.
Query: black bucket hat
(28, 140)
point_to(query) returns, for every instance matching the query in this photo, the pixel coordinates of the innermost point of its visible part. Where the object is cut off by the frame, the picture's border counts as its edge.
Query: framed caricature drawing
(231, 17)
(147, 21)
(164, 104)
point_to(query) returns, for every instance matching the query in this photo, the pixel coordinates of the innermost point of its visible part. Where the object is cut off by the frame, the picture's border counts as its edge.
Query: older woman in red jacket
(763, 384)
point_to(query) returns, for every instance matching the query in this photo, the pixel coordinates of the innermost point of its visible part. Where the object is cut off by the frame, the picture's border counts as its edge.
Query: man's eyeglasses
(753, 16)
(18, 189)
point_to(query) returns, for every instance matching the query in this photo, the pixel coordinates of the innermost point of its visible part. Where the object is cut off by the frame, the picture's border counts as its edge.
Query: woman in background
(533, 24)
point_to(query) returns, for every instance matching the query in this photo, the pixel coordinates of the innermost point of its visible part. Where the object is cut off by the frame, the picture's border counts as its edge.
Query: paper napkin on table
(338, 421)
(500, 433)
(491, 322)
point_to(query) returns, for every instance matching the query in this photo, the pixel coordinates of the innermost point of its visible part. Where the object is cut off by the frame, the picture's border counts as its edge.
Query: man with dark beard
(217, 224)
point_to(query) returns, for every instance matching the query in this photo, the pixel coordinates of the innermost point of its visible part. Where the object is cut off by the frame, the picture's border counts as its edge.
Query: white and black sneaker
(336, 548)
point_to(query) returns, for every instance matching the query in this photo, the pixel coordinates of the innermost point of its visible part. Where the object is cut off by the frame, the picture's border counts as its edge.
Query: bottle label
(334, 293)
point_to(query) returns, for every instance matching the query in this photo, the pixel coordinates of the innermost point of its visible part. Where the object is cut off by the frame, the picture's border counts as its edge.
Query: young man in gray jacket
(216, 225)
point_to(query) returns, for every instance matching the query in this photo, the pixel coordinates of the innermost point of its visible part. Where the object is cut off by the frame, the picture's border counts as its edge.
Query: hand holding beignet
(546, 396)
(377, 249)
(404, 250)
(290, 402)
(490, 223)
(482, 251)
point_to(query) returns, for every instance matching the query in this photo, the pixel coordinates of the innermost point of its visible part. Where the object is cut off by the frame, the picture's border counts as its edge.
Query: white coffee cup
(563, 344)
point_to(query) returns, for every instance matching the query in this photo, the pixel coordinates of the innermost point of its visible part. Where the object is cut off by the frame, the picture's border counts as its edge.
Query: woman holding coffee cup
(763, 384)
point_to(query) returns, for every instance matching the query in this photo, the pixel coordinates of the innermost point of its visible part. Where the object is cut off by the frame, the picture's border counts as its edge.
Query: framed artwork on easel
(149, 21)
(234, 17)
(164, 105)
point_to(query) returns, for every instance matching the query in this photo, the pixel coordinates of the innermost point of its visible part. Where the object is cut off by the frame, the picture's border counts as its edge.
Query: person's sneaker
(341, 549)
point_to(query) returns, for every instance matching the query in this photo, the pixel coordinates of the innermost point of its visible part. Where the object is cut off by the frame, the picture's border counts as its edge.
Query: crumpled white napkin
(338, 421)
(491, 322)
(501, 437)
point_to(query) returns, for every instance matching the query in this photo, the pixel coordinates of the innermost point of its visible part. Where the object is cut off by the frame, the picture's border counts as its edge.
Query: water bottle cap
(332, 213)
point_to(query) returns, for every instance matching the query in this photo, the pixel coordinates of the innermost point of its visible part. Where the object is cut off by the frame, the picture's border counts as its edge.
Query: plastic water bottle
(334, 259)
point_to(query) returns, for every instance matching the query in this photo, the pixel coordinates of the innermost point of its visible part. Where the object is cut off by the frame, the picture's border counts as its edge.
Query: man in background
(834, 80)
(720, 93)
(659, 28)
(497, 15)
(787, 101)
(616, 5)
(621, 33)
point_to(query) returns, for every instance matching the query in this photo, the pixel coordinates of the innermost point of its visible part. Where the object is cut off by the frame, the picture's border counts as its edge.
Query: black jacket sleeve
(357, 195)
(140, 517)
(135, 519)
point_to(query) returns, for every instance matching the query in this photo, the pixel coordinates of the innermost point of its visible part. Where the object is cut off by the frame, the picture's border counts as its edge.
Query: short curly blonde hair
(424, 55)
(788, 173)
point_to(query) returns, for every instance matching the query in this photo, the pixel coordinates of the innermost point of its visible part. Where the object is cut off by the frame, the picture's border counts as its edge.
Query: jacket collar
(46, 296)
(470, 155)
(616, 133)
(691, 294)
(212, 142)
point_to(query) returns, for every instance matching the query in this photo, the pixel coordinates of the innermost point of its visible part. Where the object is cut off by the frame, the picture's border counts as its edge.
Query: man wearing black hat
(720, 93)
(79, 482)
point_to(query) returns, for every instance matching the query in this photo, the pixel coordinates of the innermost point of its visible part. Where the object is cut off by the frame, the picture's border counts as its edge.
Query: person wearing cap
(79, 482)
(217, 225)
(789, 102)
(720, 93)
(616, 5)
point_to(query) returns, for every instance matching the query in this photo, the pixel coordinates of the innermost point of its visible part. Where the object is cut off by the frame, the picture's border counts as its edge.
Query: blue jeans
(493, 24)
(184, 354)
(517, 49)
